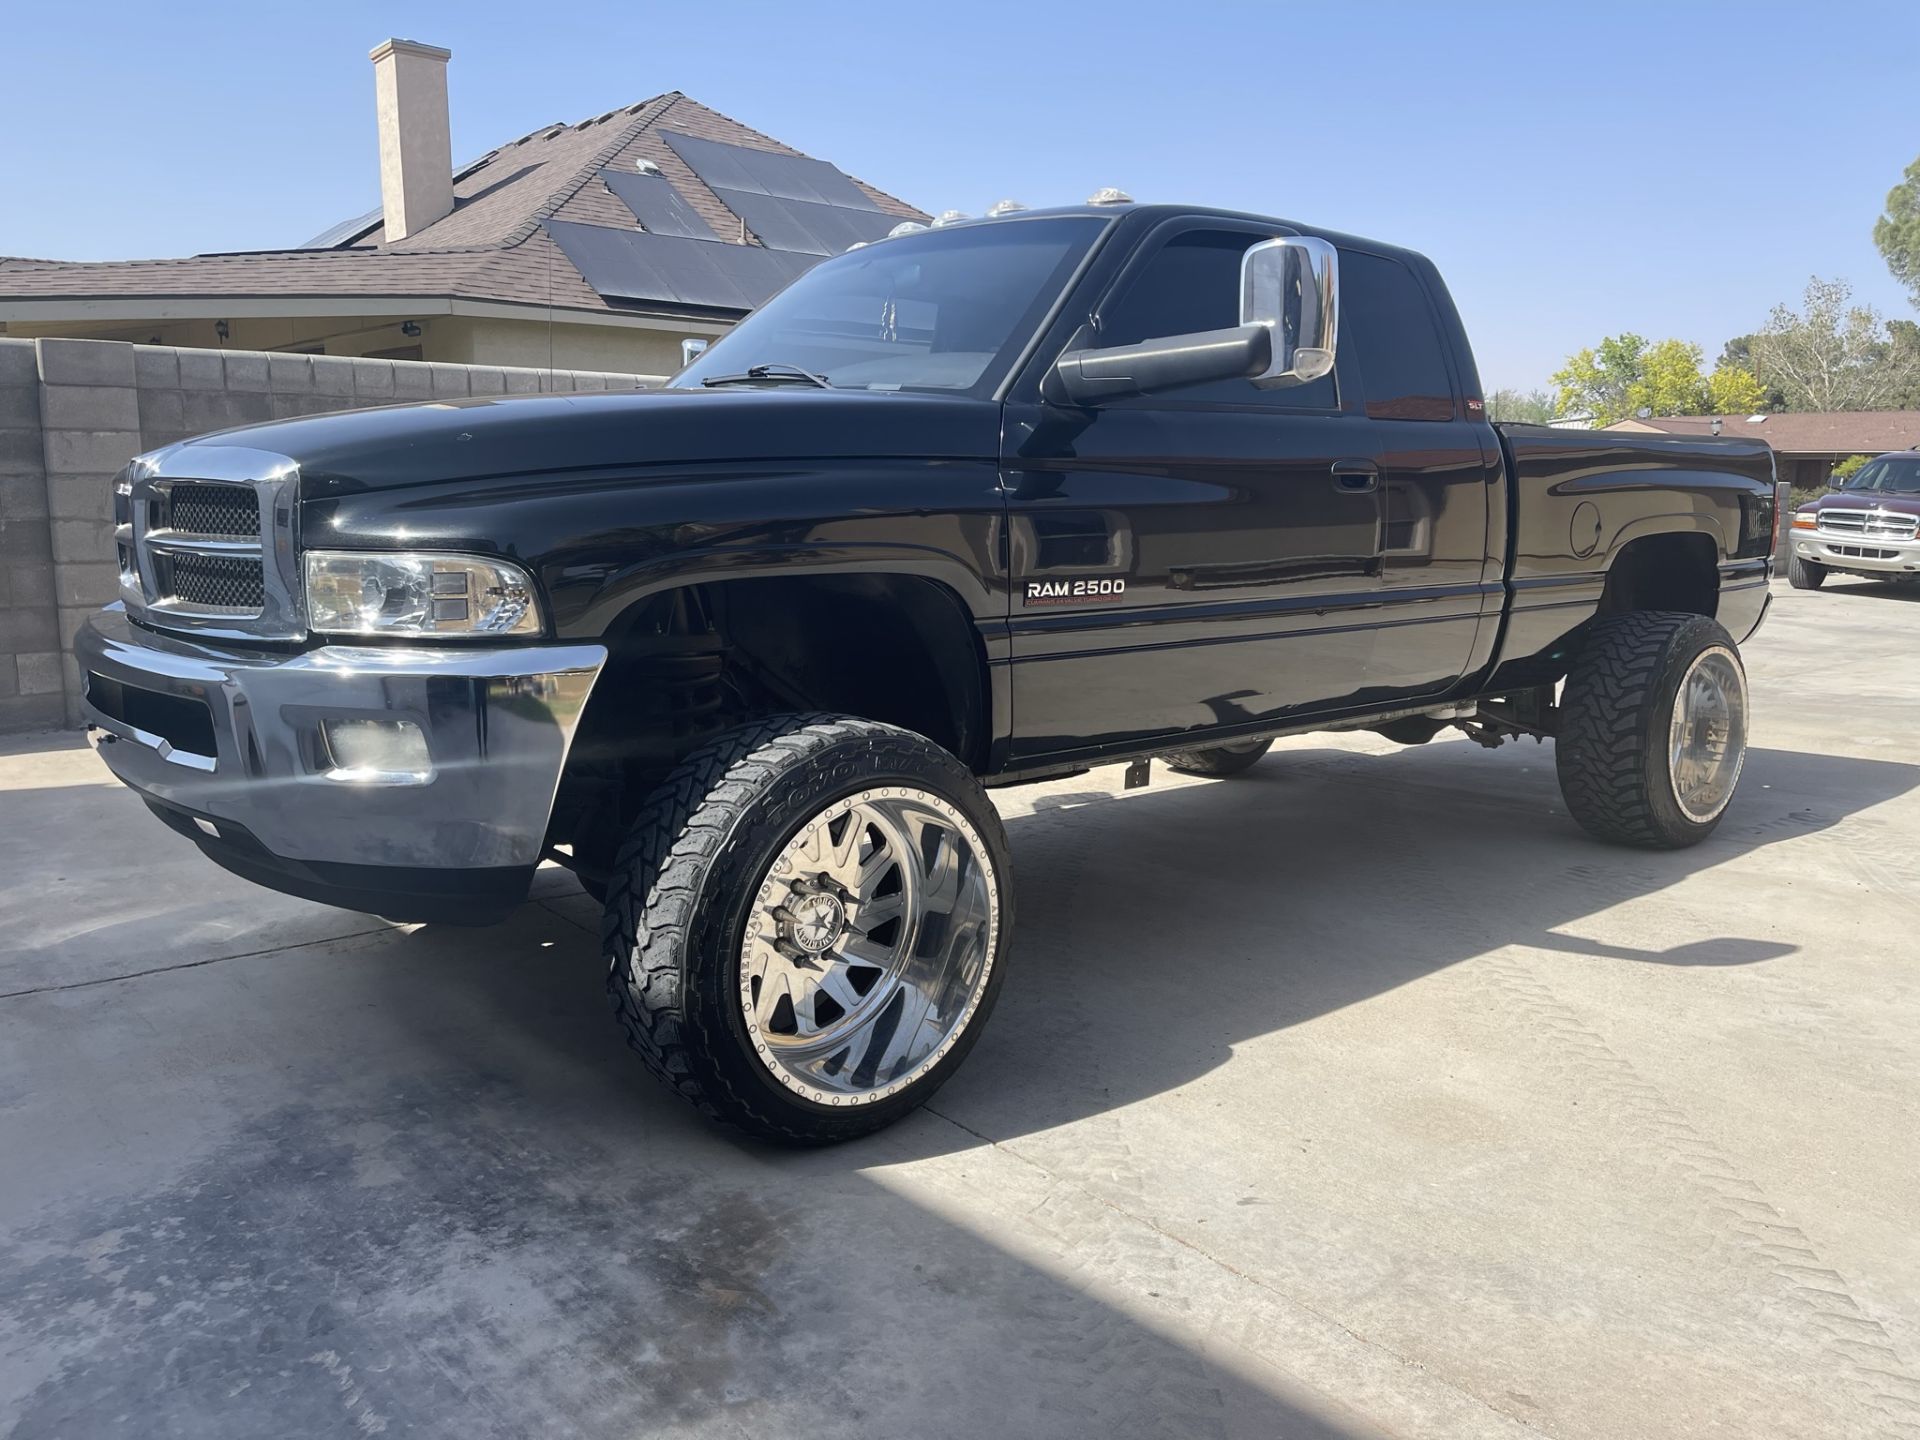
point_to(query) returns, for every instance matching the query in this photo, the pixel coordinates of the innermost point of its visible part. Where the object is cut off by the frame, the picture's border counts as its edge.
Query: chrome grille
(213, 509)
(216, 582)
(208, 543)
(202, 545)
(1875, 524)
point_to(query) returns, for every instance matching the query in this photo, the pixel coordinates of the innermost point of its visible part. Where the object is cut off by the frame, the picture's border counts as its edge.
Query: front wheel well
(687, 663)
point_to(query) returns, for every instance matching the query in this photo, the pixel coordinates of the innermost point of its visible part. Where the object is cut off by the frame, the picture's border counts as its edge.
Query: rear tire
(1218, 761)
(1805, 574)
(1653, 729)
(806, 928)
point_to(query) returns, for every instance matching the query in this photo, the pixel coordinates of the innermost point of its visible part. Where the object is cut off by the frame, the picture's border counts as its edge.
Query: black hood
(356, 451)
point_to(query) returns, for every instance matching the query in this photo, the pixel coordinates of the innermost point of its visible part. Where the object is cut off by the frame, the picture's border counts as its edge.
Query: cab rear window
(1403, 361)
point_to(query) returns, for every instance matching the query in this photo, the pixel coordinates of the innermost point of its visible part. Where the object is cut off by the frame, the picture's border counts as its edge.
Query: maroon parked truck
(1869, 526)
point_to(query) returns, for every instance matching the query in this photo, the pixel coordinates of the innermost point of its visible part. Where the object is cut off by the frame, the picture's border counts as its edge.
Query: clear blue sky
(1575, 170)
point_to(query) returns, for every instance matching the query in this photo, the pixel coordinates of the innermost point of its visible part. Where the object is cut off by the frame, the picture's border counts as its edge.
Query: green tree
(1625, 374)
(1525, 407)
(1599, 380)
(1670, 380)
(1847, 467)
(1734, 390)
(1831, 355)
(1904, 338)
(1897, 231)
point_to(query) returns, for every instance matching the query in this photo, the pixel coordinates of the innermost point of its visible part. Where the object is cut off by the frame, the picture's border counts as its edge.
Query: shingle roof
(491, 247)
(1820, 432)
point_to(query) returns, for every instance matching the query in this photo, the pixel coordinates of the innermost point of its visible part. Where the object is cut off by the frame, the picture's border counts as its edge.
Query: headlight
(352, 592)
(1806, 519)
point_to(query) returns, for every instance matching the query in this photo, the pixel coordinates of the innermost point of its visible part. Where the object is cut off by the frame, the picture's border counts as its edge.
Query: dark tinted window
(1193, 283)
(1384, 314)
(1889, 475)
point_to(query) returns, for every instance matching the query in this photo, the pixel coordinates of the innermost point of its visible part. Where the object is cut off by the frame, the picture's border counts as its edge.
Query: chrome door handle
(1356, 477)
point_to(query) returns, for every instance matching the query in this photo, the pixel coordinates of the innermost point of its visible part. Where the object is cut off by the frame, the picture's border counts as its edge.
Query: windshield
(1889, 475)
(945, 310)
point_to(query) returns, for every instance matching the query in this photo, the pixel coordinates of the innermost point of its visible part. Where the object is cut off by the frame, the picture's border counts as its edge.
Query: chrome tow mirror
(1291, 287)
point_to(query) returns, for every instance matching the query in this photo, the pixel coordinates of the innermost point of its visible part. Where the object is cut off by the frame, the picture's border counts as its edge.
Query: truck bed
(1577, 497)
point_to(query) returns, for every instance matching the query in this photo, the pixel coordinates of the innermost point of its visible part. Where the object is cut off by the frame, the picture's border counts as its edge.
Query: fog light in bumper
(377, 752)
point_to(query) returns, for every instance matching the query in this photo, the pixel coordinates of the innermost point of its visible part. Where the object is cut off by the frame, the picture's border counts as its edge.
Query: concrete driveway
(1360, 1096)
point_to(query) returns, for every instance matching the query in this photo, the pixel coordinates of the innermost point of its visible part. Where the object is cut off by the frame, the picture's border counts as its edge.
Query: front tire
(805, 929)
(1653, 729)
(1218, 761)
(1805, 574)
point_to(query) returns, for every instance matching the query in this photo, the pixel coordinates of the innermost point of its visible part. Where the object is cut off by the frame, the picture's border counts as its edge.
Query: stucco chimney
(416, 143)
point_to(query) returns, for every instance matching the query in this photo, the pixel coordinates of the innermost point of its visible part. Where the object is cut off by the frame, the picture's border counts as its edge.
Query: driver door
(1193, 560)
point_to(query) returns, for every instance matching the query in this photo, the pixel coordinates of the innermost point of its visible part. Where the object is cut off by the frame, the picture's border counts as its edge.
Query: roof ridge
(579, 180)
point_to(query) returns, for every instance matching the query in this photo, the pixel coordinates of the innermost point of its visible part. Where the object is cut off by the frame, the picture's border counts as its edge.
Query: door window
(1192, 282)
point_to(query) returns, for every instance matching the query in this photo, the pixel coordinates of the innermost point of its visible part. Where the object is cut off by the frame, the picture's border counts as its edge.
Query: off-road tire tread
(656, 887)
(1601, 750)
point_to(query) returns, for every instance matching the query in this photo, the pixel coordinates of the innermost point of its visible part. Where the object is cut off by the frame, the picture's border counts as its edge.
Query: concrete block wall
(73, 412)
(31, 692)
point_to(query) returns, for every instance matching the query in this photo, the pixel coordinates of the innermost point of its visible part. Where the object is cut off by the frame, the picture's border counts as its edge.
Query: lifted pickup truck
(976, 505)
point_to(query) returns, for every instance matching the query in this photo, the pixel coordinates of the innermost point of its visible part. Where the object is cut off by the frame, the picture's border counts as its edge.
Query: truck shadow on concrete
(1158, 929)
(1872, 589)
(422, 1185)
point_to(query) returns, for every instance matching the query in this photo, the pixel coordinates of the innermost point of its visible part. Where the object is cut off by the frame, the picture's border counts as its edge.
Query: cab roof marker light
(1004, 207)
(1110, 195)
(951, 217)
(905, 227)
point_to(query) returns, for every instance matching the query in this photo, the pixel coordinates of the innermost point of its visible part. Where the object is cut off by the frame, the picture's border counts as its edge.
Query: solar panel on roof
(635, 265)
(803, 225)
(791, 177)
(344, 231)
(657, 205)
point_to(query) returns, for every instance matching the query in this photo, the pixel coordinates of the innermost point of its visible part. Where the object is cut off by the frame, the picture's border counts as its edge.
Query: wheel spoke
(834, 982)
(861, 951)
(873, 870)
(872, 914)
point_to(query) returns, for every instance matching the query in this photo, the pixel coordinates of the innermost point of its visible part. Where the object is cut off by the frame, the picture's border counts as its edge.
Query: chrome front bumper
(229, 748)
(1866, 554)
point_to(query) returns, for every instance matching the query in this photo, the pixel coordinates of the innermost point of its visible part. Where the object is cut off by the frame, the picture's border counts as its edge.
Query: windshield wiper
(775, 371)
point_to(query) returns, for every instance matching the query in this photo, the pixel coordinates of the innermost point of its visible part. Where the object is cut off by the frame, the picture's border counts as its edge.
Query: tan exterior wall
(475, 340)
(454, 339)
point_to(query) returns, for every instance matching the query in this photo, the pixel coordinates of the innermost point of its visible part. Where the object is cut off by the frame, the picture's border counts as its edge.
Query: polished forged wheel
(806, 928)
(1653, 729)
(1706, 738)
(868, 946)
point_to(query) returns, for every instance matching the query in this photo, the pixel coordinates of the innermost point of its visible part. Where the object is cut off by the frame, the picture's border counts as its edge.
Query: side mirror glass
(1291, 287)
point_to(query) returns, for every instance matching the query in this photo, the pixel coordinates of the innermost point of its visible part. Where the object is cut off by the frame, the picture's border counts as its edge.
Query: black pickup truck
(985, 503)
